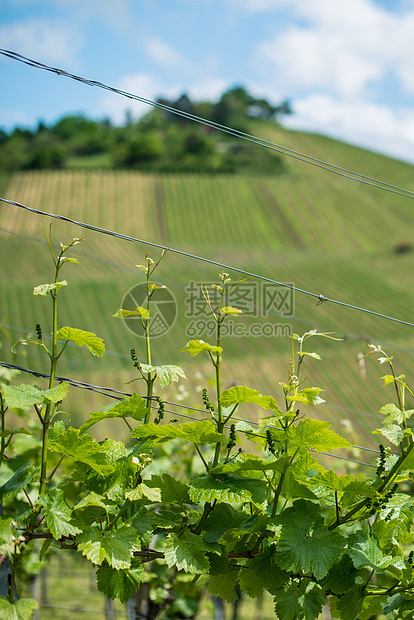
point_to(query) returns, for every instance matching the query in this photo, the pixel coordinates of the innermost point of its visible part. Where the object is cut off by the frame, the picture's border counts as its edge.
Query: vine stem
(220, 421)
(53, 365)
(358, 507)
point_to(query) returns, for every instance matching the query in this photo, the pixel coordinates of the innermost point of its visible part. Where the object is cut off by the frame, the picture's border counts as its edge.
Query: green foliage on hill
(159, 141)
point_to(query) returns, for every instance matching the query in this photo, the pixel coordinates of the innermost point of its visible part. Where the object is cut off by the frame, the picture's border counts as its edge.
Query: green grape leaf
(341, 577)
(224, 585)
(356, 490)
(393, 414)
(350, 604)
(134, 407)
(219, 564)
(403, 606)
(172, 490)
(365, 551)
(241, 394)
(330, 479)
(70, 442)
(168, 374)
(245, 463)
(18, 481)
(67, 259)
(15, 431)
(314, 434)
(79, 337)
(20, 610)
(221, 520)
(227, 488)
(6, 532)
(394, 433)
(142, 522)
(20, 396)
(122, 314)
(250, 583)
(121, 584)
(231, 310)
(58, 515)
(194, 347)
(115, 546)
(305, 543)
(308, 396)
(272, 576)
(197, 432)
(292, 488)
(188, 552)
(315, 356)
(44, 289)
(300, 602)
(94, 499)
(57, 393)
(372, 607)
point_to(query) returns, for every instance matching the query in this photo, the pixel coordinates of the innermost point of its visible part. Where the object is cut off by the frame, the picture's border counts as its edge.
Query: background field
(315, 230)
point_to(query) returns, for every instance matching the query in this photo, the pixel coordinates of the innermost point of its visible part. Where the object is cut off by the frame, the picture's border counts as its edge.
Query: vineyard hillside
(317, 231)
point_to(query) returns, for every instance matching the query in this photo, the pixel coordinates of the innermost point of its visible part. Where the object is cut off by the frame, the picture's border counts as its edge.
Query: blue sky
(347, 66)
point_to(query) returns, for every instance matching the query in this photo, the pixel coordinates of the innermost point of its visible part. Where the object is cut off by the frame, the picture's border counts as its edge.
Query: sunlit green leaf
(134, 407)
(227, 488)
(172, 490)
(305, 543)
(194, 347)
(315, 434)
(168, 374)
(20, 610)
(230, 310)
(20, 396)
(394, 433)
(115, 546)
(188, 552)
(196, 432)
(82, 448)
(308, 396)
(241, 394)
(58, 515)
(122, 583)
(122, 314)
(364, 550)
(44, 289)
(79, 337)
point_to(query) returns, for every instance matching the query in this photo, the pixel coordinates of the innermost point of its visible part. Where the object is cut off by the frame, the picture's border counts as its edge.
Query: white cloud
(208, 89)
(48, 41)
(343, 47)
(114, 12)
(366, 124)
(164, 54)
(116, 106)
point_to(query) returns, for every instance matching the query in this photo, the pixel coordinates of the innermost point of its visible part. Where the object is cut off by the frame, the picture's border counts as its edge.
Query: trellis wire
(321, 298)
(343, 172)
(116, 394)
